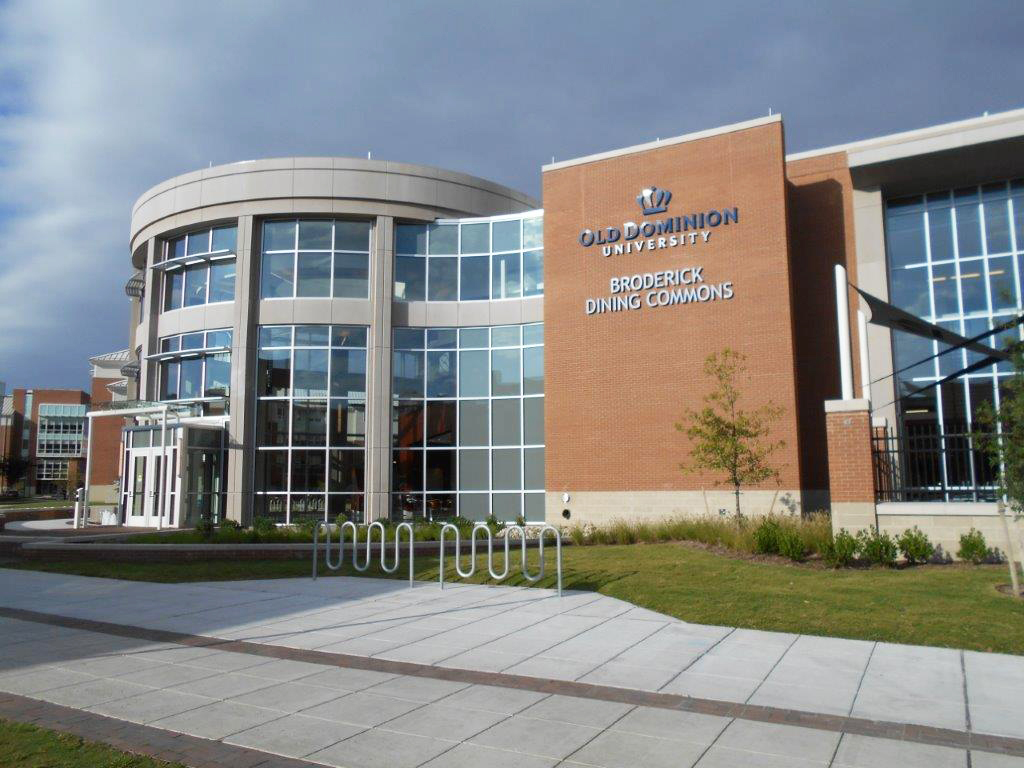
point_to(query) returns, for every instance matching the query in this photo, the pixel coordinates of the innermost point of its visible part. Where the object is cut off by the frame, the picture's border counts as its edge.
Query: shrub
(204, 527)
(915, 546)
(973, 547)
(230, 525)
(877, 548)
(840, 550)
(766, 537)
(263, 526)
(791, 544)
(305, 525)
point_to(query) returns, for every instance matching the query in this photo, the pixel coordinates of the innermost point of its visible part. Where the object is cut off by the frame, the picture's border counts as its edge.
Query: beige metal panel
(351, 311)
(353, 183)
(474, 313)
(506, 312)
(274, 311)
(441, 313)
(311, 311)
(533, 309)
(312, 182)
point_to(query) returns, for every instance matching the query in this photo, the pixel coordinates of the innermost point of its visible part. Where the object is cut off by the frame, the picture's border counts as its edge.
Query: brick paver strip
(921, 734)
(140, 739)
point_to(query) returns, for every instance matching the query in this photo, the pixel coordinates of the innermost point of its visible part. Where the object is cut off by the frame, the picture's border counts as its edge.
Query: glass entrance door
(151, 500)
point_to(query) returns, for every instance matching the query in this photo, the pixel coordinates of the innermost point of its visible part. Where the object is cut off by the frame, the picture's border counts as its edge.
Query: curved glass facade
(468, 422)
(198, 268)
(194, 366)
(494, 258)
(310, 421)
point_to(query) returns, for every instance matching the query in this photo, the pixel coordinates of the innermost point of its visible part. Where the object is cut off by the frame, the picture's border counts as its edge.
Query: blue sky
(98, 103)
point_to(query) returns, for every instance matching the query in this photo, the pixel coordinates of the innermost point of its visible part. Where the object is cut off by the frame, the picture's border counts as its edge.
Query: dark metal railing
(921, 462)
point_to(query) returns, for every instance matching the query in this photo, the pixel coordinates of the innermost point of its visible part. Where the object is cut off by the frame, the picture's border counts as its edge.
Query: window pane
(278, 269)
(1001, 283)
(411, 238)
(506, 235)
(407, 471)
(474, 337)
(440, 470)
(505, 276)
(475, 277)
(905, 239)
(474, 506)
(972, 286)
(314, 274)
(309, 422)
(442, 338)
(533, 233)
(533, 273)
(347, 471)
(474, 416)
(909, 290)
(997, 226)
(940, 233)
(944, 287)
(533, 507)
(352, 236)
(225, 239)
(410, 278)
(440, 423)
(218, 338)
(408, 338)
(176, 248)
(347, 425)
(533, 468)
(276, 336)
(348, 336)
(168, 380)
(271, 470)
(441, 506)
(195, 285)
(192, 341)
(505, 336)
(272, 423)
(505, 507)
(351, 280)
(198, 242)
(441, 374)
(278, 235)
(505, 470)
(407, 425)
(505, 422)
(191, 378)
(222, 280)
(476, 238)
(473, 470)
(968, 230)
(274, 372)
(505, 372)
(315, 235)
(442, 284)
(348, 373)
(310, 375)
(312, 335)
(473, 374)
(444, 238)
(407, 374)
(173, 282)
(218, 375)
(533, 421)
(533, 371)
(309, 470)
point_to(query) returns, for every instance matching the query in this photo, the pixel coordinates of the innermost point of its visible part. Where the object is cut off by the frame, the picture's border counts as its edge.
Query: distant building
(109, 385)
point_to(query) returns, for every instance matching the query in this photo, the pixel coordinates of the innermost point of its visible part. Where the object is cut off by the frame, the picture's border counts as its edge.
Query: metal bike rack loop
(482, 527)
(349, 525)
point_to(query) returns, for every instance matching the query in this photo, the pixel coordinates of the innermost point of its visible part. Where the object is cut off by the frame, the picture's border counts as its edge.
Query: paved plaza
(485, 675)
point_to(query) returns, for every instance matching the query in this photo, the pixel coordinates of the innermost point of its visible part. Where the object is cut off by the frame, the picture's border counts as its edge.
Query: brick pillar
(851, 473)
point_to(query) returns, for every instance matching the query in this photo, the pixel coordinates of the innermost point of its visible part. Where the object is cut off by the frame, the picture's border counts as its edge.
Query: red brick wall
(616, 383)
(106, 439)
(851, 474)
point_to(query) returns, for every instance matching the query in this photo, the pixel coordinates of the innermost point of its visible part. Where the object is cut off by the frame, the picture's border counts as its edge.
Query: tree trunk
(738, 514)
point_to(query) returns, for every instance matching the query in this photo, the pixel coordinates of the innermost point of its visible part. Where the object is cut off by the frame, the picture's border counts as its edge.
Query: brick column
(850, 468)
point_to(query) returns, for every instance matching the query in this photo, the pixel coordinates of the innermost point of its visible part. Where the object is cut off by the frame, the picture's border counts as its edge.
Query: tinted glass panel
(443, 279)
(314, 274)
(474, 277)
(410, 278)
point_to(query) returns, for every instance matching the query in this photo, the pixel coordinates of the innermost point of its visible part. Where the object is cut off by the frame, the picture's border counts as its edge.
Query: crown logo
(654, 200)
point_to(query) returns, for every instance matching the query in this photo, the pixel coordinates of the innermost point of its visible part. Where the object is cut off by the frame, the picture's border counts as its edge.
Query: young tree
(13, 469)
(727, 438)
(1000, 433)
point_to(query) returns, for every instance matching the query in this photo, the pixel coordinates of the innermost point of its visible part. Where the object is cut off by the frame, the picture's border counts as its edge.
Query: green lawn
(946, 605)
(25, 746)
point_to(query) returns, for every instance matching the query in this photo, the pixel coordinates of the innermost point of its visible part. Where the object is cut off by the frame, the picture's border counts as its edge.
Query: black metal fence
(923, 463)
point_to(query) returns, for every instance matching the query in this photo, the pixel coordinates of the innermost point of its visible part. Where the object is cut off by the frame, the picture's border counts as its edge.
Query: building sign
(667, 232)
(663, 288)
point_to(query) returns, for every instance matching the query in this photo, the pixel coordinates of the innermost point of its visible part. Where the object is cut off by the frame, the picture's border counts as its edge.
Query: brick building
(324, 336)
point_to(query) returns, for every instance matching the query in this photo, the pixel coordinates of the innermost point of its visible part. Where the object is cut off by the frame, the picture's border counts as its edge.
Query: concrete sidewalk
(582, 637)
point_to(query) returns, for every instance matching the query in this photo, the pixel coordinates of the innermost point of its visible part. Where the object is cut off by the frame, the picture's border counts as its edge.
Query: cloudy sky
(101, 100)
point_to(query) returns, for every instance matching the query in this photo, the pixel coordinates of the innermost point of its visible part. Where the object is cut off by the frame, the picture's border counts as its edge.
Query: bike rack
(348, 524)
(482, 527)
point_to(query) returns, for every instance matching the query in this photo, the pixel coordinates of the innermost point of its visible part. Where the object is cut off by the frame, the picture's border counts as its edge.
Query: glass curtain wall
(195, 366)
(471, 259)
(468, 423)
(315, 258)
(310, 422)
(955, 258)
(199, 268)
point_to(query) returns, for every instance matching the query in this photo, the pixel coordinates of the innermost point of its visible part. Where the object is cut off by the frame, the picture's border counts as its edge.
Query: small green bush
(230, 525)
(305, 525)
(767, 535)
(915, 546)
(877, 548)
(264, 526)
(204, 528)
(973, 547)
(840, 550)
(791, 545)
